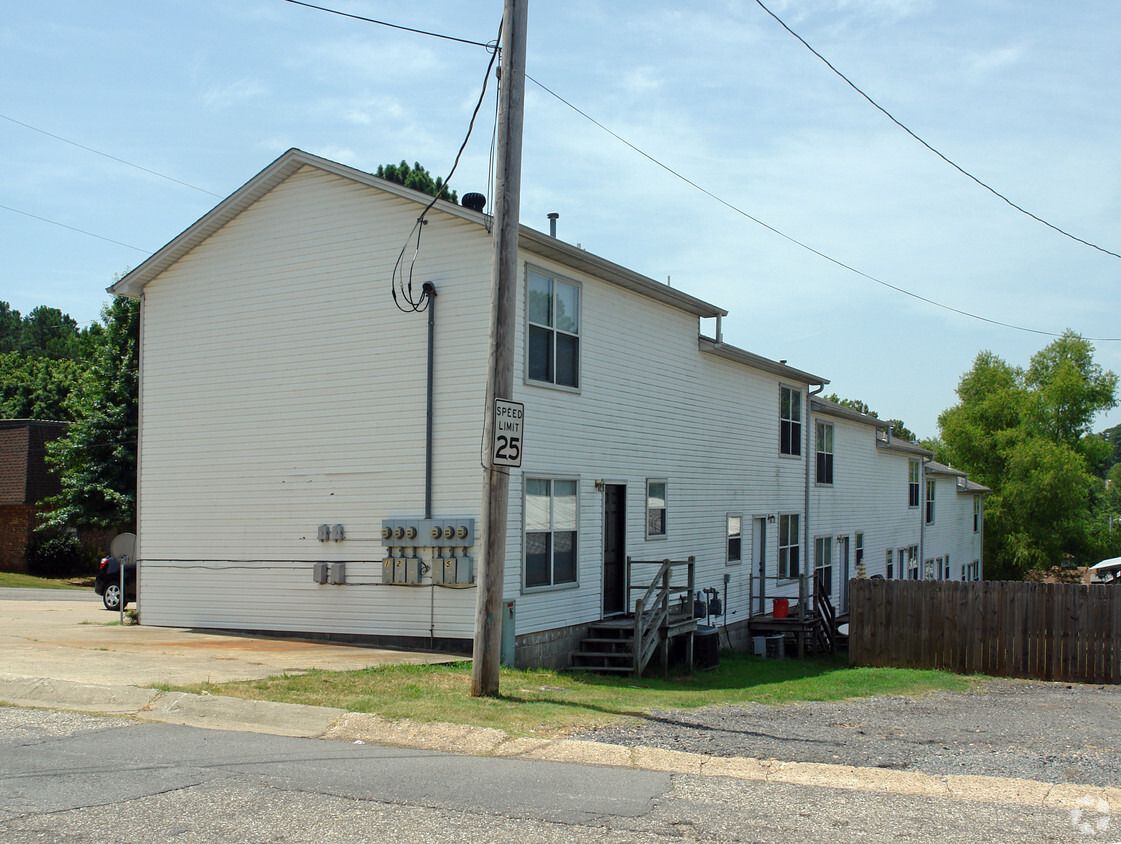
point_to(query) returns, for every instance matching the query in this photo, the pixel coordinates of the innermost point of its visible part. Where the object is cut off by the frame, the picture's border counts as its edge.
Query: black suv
(108, 583)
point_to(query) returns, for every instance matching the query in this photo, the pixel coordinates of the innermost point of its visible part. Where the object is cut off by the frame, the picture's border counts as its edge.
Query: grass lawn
(548, 703)
(27, 581)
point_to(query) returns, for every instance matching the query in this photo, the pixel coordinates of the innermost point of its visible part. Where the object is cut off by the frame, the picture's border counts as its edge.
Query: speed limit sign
(506, 450)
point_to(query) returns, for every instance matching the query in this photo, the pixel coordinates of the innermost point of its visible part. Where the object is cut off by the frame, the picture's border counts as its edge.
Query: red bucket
(782, 607)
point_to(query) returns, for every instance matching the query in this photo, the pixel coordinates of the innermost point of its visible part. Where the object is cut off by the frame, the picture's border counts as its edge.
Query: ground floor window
(550, 532)
(912, 562)
(788, 545)
(823, 562)
(655, 509)
(889, 571)
(735, 538)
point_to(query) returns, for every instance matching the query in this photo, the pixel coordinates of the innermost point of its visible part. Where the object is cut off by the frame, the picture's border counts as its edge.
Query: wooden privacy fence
(1042, 631)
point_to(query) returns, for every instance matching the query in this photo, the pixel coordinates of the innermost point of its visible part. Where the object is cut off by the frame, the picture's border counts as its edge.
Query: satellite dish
(123, 547)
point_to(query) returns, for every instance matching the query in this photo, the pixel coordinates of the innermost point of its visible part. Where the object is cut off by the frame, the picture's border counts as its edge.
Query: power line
(106, 155)
(386, 23)
(73, 229)
(960, 169)
(794, 240)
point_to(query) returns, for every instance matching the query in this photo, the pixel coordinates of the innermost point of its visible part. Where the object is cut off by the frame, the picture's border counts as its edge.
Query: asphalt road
(69, 777)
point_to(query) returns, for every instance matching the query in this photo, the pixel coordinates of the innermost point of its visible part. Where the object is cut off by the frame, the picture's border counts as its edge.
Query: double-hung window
(913, 483)
(788, 545)
(790, 421)
(930, 501)
(550, 532)
(823, 562)
(735, 538)
(655, 509)
(554, 331)
(976, 513)
(889, 567)
(824, 453)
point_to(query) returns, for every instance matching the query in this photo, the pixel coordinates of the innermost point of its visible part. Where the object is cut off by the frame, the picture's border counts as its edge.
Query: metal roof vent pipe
(474, 201)
(553, 216)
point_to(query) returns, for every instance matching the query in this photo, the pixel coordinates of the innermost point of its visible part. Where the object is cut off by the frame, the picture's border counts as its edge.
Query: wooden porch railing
(653, 626)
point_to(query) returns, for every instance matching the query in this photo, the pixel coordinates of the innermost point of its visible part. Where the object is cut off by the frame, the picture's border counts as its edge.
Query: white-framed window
(912, 483)
(823, 561)
(946, 567)
(972, 571)
(912, 562)
(824, 453)
(889, 566)
(930, 501)
(655, 509)
(553, 336)
(550, 532)
(859, 554)
(790, 421)
(928, 569)
(976, 513)
(789, 545)
(735, 538)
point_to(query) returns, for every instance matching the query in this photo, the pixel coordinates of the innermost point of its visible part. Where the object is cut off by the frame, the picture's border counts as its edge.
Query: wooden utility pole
(500, 379)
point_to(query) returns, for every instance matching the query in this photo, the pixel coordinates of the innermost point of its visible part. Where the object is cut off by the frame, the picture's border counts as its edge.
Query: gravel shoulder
(1050, 732)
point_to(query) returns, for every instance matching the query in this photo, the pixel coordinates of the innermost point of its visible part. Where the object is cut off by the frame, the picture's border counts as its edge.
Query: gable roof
(284, 167)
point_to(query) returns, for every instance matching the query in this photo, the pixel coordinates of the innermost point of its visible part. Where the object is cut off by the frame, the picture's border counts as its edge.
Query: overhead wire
(946, 159)
(794, 240)
(404, 282)
(388, 24)
(74, 229)
(107, 155)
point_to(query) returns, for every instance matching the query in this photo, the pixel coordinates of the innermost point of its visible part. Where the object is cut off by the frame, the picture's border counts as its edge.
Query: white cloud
(233, 93)
(978, 65)
(641, 80)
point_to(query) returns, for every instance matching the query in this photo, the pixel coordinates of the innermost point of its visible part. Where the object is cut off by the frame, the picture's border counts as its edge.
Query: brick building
(25, 480)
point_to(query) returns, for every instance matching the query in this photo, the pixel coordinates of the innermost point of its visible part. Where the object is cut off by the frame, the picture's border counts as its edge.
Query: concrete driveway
(70, 636)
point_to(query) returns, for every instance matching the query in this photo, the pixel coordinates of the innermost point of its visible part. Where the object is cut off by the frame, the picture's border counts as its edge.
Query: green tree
(417, 178)
(1025, 434)
(37, 388)
(96, 460)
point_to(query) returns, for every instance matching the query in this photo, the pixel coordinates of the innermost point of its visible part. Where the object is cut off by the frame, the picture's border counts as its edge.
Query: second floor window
(824, 453)
(913, 483)
(790, 421)
(930, 502)
(554, 331)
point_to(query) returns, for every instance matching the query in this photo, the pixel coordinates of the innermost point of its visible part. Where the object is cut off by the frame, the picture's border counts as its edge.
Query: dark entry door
(614, 549)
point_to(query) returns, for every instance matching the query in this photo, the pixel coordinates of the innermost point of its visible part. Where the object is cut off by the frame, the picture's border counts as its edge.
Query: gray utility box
(319, 572)
(453, 571)
(769, 647)
(401, 570)
(336, 573)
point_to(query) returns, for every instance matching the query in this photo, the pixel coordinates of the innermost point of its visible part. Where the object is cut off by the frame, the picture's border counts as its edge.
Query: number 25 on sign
(506, 450)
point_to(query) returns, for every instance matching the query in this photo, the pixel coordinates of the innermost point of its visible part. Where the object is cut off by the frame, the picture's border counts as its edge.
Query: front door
(614, 549)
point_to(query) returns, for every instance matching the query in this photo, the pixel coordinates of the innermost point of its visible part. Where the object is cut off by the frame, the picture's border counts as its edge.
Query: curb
(227, 713)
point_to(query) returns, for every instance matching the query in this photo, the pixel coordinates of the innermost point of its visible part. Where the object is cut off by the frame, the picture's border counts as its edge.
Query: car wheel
(112, 597)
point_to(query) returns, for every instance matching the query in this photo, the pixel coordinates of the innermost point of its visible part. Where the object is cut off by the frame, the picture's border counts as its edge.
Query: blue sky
(1025, 95)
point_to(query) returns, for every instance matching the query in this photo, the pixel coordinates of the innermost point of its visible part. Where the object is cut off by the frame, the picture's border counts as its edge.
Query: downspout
(137, 550)
(429, 290)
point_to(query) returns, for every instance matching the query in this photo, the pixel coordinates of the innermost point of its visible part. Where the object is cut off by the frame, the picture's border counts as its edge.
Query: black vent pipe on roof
(474, 201)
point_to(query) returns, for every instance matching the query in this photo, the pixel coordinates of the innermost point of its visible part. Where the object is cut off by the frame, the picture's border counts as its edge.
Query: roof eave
(742, 356)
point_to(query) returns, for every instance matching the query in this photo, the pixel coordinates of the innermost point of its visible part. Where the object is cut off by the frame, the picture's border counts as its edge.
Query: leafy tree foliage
(42, 358)
(898, 428)
(96, 459)
(417, 178)
(1025, 433)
